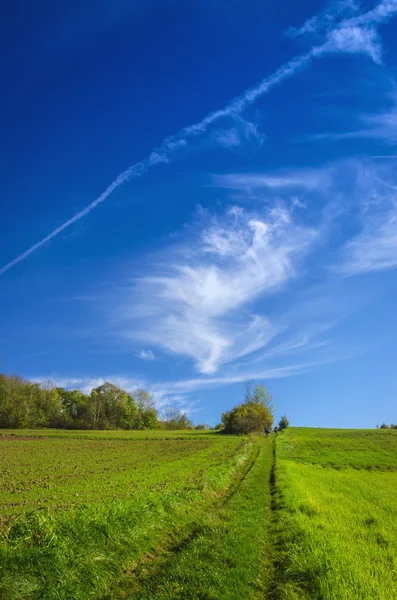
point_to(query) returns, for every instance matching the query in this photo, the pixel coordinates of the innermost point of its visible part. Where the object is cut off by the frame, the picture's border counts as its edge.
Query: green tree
(48, 406)
(111, 407)
(27, 404)
(74, 409)
(13, 409)
(176, 419)
(146, 416)
(283, 423)
(253, 415)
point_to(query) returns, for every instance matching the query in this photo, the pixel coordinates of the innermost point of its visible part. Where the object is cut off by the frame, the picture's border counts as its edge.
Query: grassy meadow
(336, 505)
(198, 515)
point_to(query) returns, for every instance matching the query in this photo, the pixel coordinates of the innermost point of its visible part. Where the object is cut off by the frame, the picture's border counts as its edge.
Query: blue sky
(198, 193)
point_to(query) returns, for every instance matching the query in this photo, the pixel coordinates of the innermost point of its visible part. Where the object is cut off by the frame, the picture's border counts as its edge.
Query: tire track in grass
(176, 540)
(226, 554)
(284, 585)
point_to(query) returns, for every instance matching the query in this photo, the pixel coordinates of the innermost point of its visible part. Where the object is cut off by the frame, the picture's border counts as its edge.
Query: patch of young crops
(59, 473)
(78, 512)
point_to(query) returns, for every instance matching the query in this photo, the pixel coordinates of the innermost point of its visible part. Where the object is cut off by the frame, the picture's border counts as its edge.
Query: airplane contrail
(381, 13)
(170, 144)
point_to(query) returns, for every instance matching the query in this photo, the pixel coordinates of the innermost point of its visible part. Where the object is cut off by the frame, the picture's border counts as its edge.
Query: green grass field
(198, 515)
(336, 527)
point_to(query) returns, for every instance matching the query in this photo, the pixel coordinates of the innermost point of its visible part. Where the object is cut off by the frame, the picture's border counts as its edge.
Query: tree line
(25, 404)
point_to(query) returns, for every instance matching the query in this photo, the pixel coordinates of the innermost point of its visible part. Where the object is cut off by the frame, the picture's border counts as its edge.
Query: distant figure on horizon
(276, 431)
(267, 431)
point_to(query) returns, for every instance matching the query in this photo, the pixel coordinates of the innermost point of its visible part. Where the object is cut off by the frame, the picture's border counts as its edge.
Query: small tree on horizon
(176, 419)
(283, 423)
(253, 415)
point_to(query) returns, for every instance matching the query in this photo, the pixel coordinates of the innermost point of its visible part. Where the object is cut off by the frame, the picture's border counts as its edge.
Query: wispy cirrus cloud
(87, 383)
(302, 179)
(374, 250)
(357, 34)
(347, 31)
(169, 392)
(146, 355)
(197, 302)
(205, 299)
(243, 132)
(380, 126)
(177, 392)
(325, 20)
(374, 245)
(200, 299)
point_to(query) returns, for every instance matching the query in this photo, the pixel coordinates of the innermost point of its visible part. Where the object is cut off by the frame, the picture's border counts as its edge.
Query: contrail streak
(161, 154)
(125, 176)
(382, 12)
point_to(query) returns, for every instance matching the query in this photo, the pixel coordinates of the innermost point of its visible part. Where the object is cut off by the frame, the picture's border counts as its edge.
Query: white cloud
(323, 22)
(374, 246)
(87, 384)
(381, 125)
(228, 138)
(375, 249)
(197, 303)
(146, 355)
(204, 298)
(175, 393)
(243, 132)
(344, 31)
(199, 300)
(303, 179)
(258, 373)
(355, 40)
